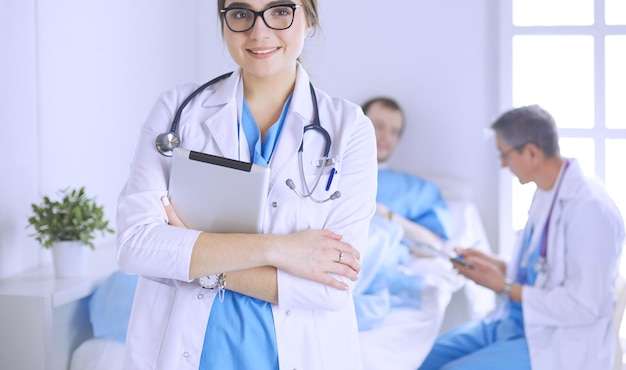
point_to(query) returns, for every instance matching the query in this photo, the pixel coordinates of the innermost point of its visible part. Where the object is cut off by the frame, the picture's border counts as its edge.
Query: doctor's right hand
(474, 254)
(488, 271)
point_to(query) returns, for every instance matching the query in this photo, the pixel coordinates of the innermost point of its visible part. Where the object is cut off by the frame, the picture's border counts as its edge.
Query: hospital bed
(401, 341)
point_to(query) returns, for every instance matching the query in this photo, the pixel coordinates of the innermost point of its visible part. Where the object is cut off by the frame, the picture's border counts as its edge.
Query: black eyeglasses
(276, 17)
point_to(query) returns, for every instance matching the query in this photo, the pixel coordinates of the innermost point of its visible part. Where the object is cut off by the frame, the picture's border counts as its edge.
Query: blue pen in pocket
(330, 178)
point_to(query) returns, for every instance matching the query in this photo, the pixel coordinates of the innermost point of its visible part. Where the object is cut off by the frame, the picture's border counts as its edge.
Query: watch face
(208, 282)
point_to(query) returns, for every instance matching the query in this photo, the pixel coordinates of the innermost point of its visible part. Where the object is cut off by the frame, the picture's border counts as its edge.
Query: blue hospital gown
(414, 198)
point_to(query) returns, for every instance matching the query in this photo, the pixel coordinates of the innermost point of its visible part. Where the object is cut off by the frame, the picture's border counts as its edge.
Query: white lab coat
(567, 313)
(315, 325)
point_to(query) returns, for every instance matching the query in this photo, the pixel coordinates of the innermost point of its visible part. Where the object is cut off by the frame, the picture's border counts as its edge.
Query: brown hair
(387, 103)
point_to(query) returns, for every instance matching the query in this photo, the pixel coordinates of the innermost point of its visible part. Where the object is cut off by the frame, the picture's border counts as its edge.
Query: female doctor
(558, 290)
(284, 296)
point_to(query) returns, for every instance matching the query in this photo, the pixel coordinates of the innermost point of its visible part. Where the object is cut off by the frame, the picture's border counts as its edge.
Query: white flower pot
(70, 259)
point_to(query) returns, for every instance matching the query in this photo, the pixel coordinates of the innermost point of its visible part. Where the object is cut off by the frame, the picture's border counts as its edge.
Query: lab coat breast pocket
(323, 184)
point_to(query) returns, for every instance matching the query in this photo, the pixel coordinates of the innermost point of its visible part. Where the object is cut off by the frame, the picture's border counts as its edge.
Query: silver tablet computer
(217, 194)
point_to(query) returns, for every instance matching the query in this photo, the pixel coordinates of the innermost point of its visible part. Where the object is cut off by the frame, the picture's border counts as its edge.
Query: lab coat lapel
(222, 125)
(299, 115)
(556, 252)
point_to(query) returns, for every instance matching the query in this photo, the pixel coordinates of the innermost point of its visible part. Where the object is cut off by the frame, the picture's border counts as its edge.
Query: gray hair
(529, 124)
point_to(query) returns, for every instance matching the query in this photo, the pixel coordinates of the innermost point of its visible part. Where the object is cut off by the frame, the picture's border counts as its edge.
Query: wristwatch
(506, 291)
(215, 281)
(211, 281)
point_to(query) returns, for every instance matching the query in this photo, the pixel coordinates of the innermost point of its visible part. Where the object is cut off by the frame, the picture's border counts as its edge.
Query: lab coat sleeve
(591, 235)
(147, 245)
(349, 215)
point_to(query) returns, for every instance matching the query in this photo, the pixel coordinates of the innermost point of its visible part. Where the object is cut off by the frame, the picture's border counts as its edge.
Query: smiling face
(388, 128)
(264, 52)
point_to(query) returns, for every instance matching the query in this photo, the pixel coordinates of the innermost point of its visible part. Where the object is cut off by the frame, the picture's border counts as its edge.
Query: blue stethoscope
(167, 141)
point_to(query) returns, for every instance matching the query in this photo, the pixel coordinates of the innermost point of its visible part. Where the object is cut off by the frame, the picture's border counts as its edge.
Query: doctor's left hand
(310, 254)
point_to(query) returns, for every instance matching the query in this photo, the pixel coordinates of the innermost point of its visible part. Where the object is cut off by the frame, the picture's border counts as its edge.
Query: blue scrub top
(240, 333)
(526, 275)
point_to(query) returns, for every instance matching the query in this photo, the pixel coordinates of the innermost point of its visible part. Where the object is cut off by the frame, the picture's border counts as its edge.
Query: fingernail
(165, 201)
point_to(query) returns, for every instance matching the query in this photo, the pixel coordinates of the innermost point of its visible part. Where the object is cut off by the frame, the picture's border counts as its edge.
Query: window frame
(598, 133)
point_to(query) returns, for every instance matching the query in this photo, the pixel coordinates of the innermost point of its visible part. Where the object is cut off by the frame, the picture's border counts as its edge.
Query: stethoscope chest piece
(166, 142)
(541, 266)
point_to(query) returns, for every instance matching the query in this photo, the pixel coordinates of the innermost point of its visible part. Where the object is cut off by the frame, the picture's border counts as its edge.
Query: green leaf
(75, 217)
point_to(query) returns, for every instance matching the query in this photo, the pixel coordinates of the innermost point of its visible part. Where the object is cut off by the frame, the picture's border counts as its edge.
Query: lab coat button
(274, 204)
(288, 313)
(200, 296)
(186, 355)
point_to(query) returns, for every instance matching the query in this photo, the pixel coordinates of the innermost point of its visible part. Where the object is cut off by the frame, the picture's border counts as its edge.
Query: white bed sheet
(406, 335)
(404, 338)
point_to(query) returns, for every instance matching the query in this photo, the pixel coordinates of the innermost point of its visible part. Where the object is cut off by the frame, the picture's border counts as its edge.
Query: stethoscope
(542, 263)
(168, 141)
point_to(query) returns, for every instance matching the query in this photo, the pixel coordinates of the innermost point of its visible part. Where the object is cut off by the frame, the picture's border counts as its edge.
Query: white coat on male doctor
(568, 312)
(315, 325)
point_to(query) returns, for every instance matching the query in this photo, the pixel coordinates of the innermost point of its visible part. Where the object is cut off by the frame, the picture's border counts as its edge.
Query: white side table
(43, 319)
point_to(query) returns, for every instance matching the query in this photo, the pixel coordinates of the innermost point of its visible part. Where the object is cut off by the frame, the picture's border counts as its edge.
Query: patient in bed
(408, 206)
(412, 201)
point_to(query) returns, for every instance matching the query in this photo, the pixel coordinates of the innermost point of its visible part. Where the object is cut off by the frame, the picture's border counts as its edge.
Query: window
(569, 56)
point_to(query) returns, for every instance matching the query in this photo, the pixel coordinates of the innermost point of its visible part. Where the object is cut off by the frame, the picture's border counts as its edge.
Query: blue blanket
(110, 305)
(384, 281)
(415, 198)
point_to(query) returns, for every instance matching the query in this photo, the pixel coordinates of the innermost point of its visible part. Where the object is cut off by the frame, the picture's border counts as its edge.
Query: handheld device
(429, 249)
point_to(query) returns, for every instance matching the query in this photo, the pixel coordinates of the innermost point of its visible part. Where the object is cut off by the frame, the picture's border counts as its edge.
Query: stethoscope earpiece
(166, 142)
(292, 186)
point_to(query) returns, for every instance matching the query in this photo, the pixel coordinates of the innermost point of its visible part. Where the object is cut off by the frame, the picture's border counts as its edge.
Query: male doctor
(558, 290)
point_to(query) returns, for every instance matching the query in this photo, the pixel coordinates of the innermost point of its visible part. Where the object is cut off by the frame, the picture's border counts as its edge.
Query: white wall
(77, 80)
(18, 122)
(79, 77)
(438, 58)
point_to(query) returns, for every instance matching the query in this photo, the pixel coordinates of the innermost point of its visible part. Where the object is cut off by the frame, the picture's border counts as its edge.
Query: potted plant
(68, 226)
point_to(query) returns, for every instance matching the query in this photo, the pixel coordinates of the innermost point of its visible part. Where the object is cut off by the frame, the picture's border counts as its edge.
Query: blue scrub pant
(483, 345)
